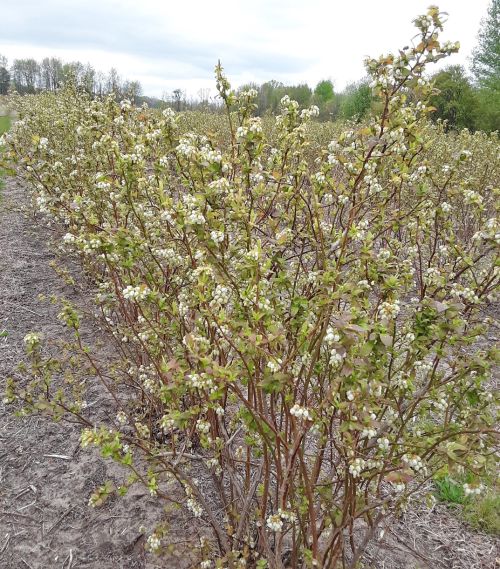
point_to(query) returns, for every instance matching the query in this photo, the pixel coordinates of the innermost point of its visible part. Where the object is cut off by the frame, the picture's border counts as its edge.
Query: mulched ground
(46, 479)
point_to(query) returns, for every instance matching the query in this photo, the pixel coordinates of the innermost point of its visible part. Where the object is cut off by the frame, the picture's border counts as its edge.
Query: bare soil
(46, 479)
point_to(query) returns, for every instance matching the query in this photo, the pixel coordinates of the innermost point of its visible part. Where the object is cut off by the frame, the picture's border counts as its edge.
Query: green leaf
(274, 382)
(366, 349)
(386, 339)
(299, 303)
(454, 450)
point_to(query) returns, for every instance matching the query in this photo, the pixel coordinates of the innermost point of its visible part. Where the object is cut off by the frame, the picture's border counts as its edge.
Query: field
(279, 334)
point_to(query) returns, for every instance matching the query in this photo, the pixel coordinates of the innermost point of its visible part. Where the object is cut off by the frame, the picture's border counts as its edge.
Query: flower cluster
(301, 412)
(135, 292)
(357, 467)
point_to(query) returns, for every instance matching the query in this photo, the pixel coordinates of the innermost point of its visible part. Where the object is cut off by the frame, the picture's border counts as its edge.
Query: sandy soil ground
(46, 479)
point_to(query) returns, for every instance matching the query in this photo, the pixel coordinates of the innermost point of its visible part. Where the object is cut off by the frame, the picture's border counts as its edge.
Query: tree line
(353, 102)
(29, 76)
(462, 100)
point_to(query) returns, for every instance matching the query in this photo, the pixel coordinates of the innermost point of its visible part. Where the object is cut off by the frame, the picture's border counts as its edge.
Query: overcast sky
(175, 44)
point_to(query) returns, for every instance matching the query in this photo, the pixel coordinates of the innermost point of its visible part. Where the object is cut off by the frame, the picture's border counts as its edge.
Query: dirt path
(45, 521)
(46, 479)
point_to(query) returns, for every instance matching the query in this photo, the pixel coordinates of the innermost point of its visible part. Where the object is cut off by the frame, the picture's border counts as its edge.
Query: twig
(425, 559)
(26, 464)
(61, 456)
(59, 520)
(26, 506)
(70, 557)
(23, 308)
(5, 512)
(22, 493)
(5, 544)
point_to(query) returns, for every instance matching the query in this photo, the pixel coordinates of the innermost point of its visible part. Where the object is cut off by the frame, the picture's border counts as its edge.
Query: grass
(447, 490)
(481, 512)
(4, 124)
(4, 127)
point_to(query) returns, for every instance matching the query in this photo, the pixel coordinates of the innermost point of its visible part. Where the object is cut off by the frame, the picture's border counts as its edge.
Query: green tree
(356, 100)
(456, 101)
(486, 70)
(271, 93)
(269, 97)
(301, 93)
(323, 92)
(488, 109)
(486, 56)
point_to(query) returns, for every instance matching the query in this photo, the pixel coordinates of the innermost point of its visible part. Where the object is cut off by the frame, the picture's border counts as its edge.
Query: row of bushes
(298, 326)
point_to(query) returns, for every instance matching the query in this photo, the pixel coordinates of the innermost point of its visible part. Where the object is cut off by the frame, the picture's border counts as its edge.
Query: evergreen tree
(486, 57)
